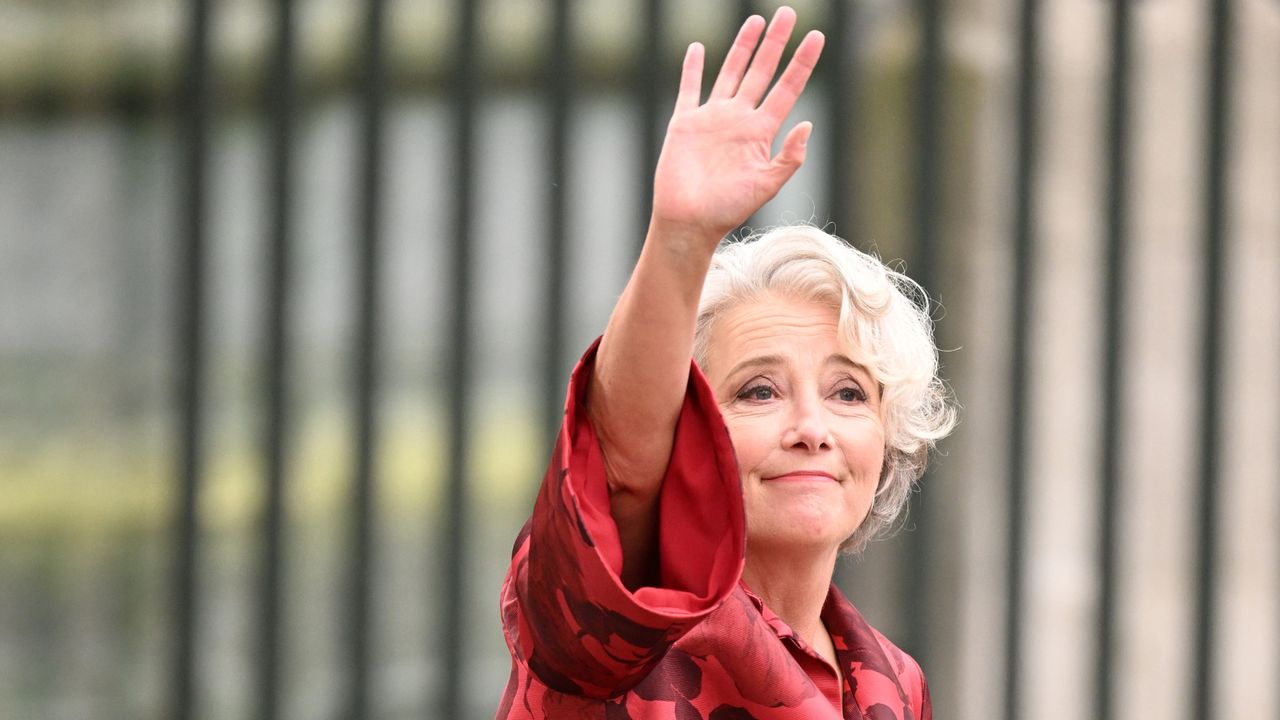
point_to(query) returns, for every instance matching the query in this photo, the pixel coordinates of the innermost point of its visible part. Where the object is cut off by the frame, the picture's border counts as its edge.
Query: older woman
(678, 562)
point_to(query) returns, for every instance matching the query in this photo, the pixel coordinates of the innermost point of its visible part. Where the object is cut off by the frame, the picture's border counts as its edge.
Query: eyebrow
(844, 361)
(755, 362)
(770, 360)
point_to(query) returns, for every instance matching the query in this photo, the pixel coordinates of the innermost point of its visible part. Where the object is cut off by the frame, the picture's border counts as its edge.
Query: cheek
(863, 443)
(874, 454)
(753, 439)
(865, 456)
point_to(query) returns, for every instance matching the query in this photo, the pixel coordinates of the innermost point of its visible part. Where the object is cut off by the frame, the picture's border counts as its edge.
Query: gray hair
(883, 316)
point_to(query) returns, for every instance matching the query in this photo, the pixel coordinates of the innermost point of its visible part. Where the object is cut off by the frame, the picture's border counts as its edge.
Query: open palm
(717, 165)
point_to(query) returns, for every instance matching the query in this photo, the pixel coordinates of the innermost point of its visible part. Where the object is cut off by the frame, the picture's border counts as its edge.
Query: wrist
(682, 242)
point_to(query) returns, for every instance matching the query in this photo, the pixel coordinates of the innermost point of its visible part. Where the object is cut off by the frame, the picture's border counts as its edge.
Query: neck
(794, 586)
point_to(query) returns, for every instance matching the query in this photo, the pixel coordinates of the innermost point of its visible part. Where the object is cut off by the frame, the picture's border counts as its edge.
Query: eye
(851, 394)
(757, 393)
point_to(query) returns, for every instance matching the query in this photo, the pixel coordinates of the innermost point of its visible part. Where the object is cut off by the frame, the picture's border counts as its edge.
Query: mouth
(802, 476)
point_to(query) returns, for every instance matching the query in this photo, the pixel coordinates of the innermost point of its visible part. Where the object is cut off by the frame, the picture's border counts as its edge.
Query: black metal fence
(842, 81)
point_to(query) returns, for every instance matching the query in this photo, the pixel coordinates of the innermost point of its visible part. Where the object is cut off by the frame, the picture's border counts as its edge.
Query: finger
(735, 63)
(765, 64)
(691, 78)
(787, 90)
(792, 155)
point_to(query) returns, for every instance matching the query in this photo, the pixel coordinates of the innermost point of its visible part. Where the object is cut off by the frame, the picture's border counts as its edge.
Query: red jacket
(699, 646)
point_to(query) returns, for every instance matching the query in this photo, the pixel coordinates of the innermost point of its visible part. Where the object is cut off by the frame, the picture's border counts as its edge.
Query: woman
(678, 562)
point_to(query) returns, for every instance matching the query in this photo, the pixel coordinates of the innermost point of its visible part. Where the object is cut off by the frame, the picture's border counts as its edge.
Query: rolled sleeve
(568, 618)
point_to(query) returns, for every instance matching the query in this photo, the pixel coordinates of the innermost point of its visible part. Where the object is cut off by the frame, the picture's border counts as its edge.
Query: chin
(818, 533)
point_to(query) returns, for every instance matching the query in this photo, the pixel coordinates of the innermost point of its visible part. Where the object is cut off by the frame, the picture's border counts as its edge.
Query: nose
(808, 429)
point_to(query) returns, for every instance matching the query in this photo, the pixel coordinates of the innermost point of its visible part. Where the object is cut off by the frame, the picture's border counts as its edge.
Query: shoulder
(880, 672)
(905, 667)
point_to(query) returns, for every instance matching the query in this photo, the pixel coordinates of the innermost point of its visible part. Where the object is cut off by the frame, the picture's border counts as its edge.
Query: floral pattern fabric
(701, 646)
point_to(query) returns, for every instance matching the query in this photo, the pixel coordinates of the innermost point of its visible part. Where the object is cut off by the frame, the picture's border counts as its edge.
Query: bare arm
(716, 168)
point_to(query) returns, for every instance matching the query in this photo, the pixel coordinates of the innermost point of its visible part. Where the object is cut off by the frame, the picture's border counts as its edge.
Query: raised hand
(717, 165)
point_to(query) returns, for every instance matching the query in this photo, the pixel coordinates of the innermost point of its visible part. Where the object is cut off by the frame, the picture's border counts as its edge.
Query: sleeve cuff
(701, 527)
(566, 613)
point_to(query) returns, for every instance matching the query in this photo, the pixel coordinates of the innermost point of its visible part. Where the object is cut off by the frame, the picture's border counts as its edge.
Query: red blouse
(700, 646)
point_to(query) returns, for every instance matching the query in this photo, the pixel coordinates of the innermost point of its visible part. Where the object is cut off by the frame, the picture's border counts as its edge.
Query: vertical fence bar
(194, 129)
(454, 523)
(927, 146)
(839, 63)
(1116, 202)
(649, 77)
(559, 88)
(746, 8)
(367, 358)
(927, 162)
(1026, 185)
(1218, 94)
(280, 102)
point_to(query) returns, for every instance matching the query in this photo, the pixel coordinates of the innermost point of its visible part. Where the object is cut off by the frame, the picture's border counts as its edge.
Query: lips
(803, 476)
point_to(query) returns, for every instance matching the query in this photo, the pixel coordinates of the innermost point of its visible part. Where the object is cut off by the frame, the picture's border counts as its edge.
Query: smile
(803, 476)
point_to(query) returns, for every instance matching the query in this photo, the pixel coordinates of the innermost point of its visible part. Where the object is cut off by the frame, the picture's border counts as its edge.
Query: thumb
(792, 155)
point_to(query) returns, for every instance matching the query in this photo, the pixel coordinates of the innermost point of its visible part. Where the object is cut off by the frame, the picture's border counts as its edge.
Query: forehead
(775, 326)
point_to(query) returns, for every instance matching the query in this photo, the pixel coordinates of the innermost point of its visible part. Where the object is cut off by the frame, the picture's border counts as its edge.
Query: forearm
(642, 367)
(640, 379)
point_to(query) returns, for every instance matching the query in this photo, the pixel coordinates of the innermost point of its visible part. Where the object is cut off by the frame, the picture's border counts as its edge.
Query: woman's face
(804, 419)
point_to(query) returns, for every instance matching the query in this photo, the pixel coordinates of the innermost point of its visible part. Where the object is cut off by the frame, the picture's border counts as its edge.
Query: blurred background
(289, 292)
